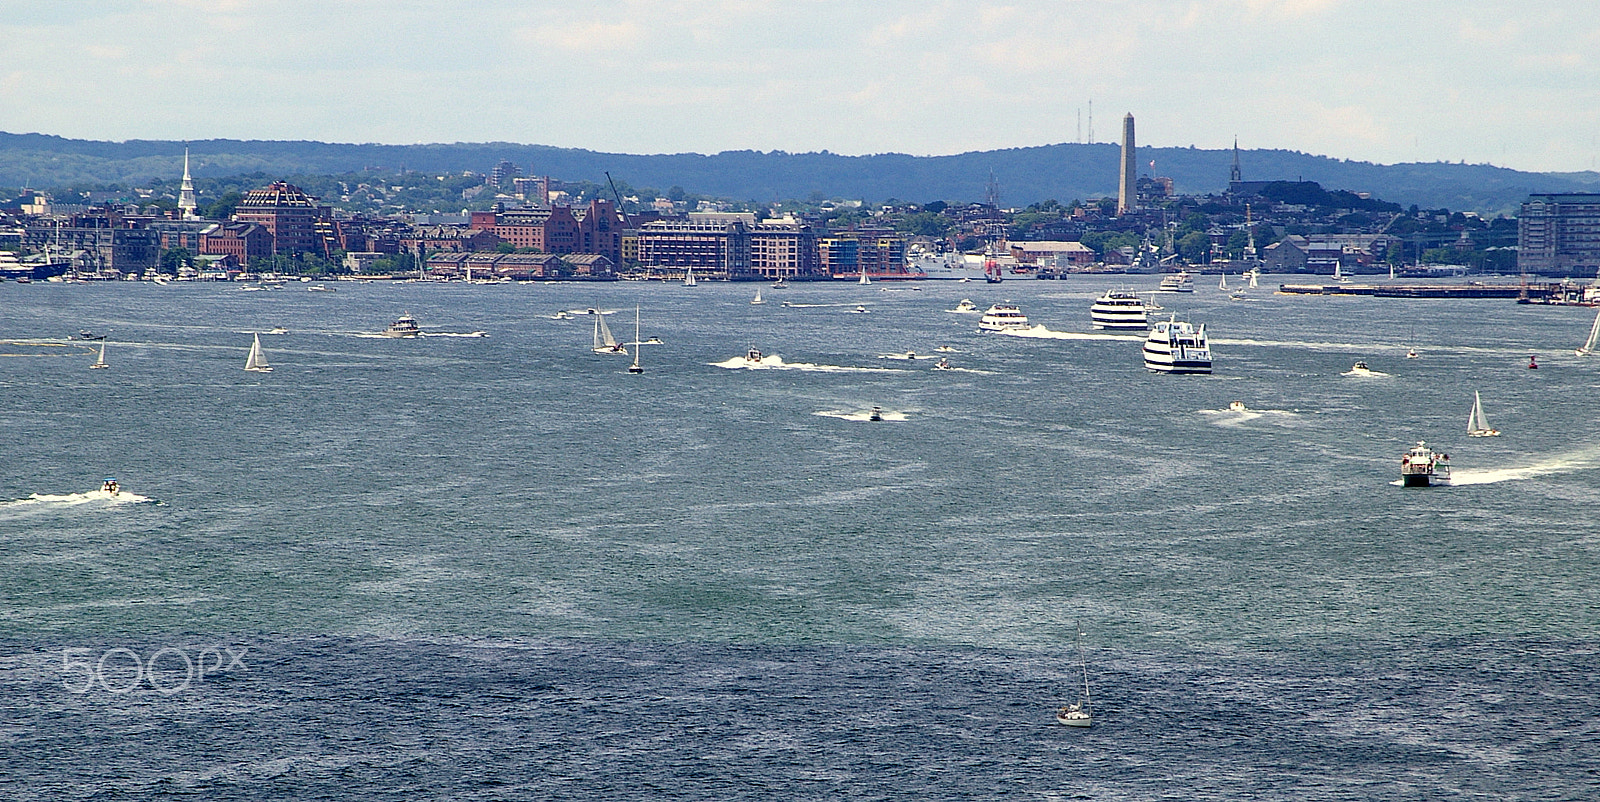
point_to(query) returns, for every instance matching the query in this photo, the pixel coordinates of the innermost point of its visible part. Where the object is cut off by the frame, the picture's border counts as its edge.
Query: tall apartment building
(783, 248)
(1559, 234)
(716, 244)
(100, 241)
(881, 252)
(287, 213)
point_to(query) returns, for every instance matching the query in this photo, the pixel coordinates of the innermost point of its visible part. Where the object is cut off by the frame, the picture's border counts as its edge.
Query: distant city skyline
(1426, 81)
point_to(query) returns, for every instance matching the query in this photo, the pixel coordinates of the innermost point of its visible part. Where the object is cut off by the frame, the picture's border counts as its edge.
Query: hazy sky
(1513, 84)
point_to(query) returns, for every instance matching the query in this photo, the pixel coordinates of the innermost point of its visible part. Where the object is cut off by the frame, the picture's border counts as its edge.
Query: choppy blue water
(500, 567)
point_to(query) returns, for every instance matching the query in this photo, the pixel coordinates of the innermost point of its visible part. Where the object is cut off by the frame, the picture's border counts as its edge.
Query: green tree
(1193, 246)
(172, 259)
(222, 208)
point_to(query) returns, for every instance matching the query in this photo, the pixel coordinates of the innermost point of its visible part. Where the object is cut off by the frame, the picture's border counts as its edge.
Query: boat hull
(1074, 722)
(1417, 480)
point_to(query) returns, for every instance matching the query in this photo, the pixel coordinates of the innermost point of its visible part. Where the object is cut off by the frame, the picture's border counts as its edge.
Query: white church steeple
(186, 199)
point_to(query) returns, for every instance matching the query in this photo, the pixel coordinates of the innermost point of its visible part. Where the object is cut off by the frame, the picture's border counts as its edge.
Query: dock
(1468, 290)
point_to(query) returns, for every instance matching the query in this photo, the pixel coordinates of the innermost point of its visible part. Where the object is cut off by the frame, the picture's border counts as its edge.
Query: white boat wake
(792, 305)
(44, 501)
(1039, 332)
(775, 362)
(452, 334)
(1488, 476)
(861, 415)
(1364, 373)
(1236, 417)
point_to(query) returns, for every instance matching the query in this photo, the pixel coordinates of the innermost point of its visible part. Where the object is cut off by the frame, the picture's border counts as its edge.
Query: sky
(1509, 84)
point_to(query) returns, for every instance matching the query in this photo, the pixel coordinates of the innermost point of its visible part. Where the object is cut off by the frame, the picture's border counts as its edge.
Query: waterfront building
(245, 242)
(716, 244)
(1127, 185)
(881, 252)
(456, 239)
(101, 241)
(1063, 254)
(1560, 234)
(1321, 253)
(287, 213)
(783, 248)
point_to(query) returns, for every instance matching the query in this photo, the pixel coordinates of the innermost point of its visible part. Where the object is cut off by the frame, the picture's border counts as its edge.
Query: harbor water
(488, 563)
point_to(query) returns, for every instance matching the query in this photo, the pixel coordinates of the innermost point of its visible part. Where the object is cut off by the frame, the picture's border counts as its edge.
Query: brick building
(288, 215)
(1559, 235)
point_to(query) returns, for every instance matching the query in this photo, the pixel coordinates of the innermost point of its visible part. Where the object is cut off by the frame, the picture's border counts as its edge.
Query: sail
(1594, 335)
(257, 360)
(1223, 284)
(602, 332)
(1475, 419)
(864, 279)
(688, 277)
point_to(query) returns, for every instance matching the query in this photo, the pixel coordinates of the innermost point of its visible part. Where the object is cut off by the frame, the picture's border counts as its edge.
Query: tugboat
(404, 326)
(1424, 467)
(110, 486)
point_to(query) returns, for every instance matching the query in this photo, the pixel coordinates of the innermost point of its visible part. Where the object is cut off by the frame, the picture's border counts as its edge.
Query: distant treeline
(1024, 175)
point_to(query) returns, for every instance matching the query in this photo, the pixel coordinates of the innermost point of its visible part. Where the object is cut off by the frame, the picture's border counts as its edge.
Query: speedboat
(279, 330)
(1177, 346)
(110, 486)
(1237, 406)
(1003, 317)
(942, 364)
(1119, 309)
(1411, 353)
(85, 334)
(779, 285)
(966, 307)
(860, 310)
(1359, 369)
(1424, 467)
(404, 326)
(876, 414)
(753, 355)
(945, 349)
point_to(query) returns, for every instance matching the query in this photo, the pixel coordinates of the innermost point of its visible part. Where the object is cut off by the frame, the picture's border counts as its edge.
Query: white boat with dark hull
(1119, 309)
(1003, 317)
(403, 326)
(1424, 467)
(1177, 346)
(1176, 282)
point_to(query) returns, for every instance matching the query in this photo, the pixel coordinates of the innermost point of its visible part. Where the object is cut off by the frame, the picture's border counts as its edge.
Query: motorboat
(110, 486)
(1177, 346)
(942, 364)
(403, 326)
(1423, 467)
(876, 414)
(1003, 317)
(1237, 406)
(966, 307)
(279, 330)
(1359, 369)
(1176, 282)
(1119, 309)
(945, 349)
(753, 355)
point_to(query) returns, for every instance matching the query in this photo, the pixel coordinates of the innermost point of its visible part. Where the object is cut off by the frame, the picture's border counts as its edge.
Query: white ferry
(1176, 282)
(1424, 467)
(1119, 309)
(1176, 346)
(1002, 317)
(404, 326)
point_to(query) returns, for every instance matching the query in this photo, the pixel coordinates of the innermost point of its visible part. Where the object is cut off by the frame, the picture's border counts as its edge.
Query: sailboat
(1254, 275)
(1594, 335)
(757, 300)
(688, 277)
(1477, 425)
(1223, 284)
(864, 279)
(256, 362)
(604, 343)
(1078, 714)
(638, 345)
(100, 361)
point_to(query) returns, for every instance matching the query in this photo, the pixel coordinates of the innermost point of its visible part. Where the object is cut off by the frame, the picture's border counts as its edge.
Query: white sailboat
(1477, 425)
(1223, 284)
(256, 362)
(864, 279)
(757, 300)
(1254, 275)
(1594, 336)
(100, 361)
(638, 345)
(688, 277)
(604, 343)
(1079, 713)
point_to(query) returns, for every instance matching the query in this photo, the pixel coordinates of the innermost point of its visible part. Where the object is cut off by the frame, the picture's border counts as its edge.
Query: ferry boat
(1424, 467)
(1002, 317)
(1176, 346)
(1176, 282)
(404, 326)
(1119, 309)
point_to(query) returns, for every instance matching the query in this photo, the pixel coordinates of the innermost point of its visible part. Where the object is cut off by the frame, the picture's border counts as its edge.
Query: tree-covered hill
(1024, 175)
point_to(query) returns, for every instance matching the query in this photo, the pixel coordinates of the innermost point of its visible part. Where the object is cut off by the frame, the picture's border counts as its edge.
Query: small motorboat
(85, 334)
(877, 414)
(1411, 353)
(110, 486)
(1237, 406)
(945, 349)
(279, 330)
(942, 364)
(753, 355)
(860, 310)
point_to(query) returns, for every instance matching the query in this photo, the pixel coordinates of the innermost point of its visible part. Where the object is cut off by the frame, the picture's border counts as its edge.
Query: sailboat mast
(636, 342)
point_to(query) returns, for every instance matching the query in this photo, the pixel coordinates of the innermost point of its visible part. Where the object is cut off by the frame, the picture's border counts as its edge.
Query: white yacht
(1424, 467)
(403, 326)
(1176, 346)
(1119, 309)
(966, 307)
(1176, 282)
(1002, 317)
